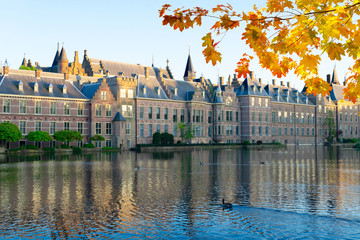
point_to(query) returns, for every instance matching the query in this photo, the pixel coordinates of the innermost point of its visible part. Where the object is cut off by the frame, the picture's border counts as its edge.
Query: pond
(297, 192)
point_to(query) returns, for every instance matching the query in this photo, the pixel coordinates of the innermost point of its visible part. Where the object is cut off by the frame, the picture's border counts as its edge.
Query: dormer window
(158, 90)
(144, 89)
(51, 88)
(252, 88)
(64, 88)
(176, 91)
(203, 94)
(36, 87)
(104, 95)
(20, 86)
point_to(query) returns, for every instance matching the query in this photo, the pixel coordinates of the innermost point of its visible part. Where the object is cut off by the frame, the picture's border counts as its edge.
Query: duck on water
(226, 204)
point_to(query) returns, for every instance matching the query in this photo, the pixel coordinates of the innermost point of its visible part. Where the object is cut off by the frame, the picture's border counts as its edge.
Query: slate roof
(284, 94)
(251, 87)
(63, 56)
(152, 85)
(337, 92)
(89, 90)
(189, 67)
(118, 117)
(9, 85)
(56, 58)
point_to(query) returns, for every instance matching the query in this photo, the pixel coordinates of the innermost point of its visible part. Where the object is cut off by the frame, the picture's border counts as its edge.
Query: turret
(63, 62)
(189, 74)
(56, 58)
(335, 79)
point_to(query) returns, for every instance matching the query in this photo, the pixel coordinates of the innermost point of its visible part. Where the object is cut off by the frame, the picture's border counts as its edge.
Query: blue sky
(124, 31)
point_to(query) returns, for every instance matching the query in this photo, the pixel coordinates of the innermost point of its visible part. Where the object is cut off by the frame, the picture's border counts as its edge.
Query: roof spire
(189, 74)
(335, 79)
(167, 62)
(152, 60)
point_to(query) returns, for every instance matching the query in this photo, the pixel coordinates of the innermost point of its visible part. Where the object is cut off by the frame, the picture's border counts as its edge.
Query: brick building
(127, 103)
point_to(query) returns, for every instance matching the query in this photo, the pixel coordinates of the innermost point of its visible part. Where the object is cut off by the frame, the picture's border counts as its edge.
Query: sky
(125, 31)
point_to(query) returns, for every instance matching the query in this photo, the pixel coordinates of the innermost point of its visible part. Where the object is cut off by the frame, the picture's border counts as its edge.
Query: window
(209, 117)
(260, 117)
(128, 142)
(141, 112)
(227, 116)
(253, 130)
(175, 131)
(6, 104)
(52, 128)
(174, 115)
(182, 115)
(166, 113)
(340, 117)
(98, 110)
(279, 116)
(266, 102)
(273, 131)
(308, 131)
(108, 143)
(266, 117)
(158, 127)
(210, 131)
(123, 93)
(66, 108)
(38, 107)
(202, 116)
(108, 128)
(285, 117)
(80, 108)
(80, 127)
(22, 127)
(22, 105)
(237, 130)
(302, 131)
(52, 107)
(37, 126)
(158, 113)
(273, 117)
(98, 128)
(259, 102)
(197, 116)
(253, 116)
(127, 110)
(266, 129)
(252, 101)
(260, 131)
(150, 113)
(285, 131)
(104, 95)
(312, 131)
(127, 128)
(130, 93)
(141, 130)
(108, 111)
(279, 131)
(150, 130)
(291, 117)
(66, 125)
(291, 131)
(237, 116)
(166, 128)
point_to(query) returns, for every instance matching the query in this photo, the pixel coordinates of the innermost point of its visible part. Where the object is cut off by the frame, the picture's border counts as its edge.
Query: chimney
(107, 73)
(328, 78)
(251, 74)
(274, 82)
(235, 77)
(282, 83)
(146, 72)
(85, 52)
(6, 70)
(288, 84)
(37, 73)
(66, 76)
(260, 80)
(221, 81)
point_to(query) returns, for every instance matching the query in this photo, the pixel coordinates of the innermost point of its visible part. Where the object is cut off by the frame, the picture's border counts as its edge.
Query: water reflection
(177, 194)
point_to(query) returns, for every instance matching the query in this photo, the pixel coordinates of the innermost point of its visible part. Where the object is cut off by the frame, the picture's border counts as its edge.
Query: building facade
(128, 103)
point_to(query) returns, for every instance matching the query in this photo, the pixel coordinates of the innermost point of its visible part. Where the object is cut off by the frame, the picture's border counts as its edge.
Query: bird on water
(261, 162)
(226, 204)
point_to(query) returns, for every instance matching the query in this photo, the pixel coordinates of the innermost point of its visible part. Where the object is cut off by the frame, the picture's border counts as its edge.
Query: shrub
(14, 149)
(49, 149)
(108, 148)
(89, 145)
(178, 142)
(166, 138)
(156, 138)
(64, 146)
(259, 142)
(30, 146)
(76, 150)
(357, 145)
(246, 142)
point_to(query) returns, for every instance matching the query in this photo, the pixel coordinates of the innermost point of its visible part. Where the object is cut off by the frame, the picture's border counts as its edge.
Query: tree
(27, 68)
(330, 123)
(38, 136)
(287, 35)
(186, 133)
(67, 136)
(156, 138)
(9, 133)
(97, 138)
(167, 138)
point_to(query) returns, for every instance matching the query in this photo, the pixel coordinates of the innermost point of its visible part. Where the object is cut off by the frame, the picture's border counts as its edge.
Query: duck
(261, 162)
(137, 167)
(226, 204)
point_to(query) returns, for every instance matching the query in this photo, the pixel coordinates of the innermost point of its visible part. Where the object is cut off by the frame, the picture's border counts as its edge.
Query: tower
(189, 74)
(62, 62)
(56, 58)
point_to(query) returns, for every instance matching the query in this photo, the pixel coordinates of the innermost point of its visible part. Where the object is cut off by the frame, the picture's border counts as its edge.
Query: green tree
(97, 138)
(27, 68)
(9, 132)
(167, 138)
(67, 136)
(186, 133)
(156, 138)
(330, 123)
(284, 36)
(38, 136)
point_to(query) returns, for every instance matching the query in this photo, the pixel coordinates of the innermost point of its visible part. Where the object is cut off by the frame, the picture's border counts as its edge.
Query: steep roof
(118, 117)
(63, 56)
(285, 94)
(9, 85)
(337, 92)
(56, 58)
(152, 87)
(251, 86)
(335, 79)
(185, 90)
(89, 90)
(189, 69)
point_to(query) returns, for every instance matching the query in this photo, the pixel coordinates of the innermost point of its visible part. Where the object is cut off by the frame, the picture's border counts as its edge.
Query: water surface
(298, 193)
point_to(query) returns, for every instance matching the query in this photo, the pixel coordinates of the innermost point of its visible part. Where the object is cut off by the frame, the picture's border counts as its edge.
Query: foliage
(38, 136)
(89, 145)
(49, 149)
(76, 149)
(64, 146)
(108, 148)
(31, 146)
(97, 138)
(357, 145)
(246, 142)
(9, 133)
(67, 136)
(27, 68)
(330, 123)
(156, 138)
(287, 35)
(259, 142)
(186, 133)
(167, 138)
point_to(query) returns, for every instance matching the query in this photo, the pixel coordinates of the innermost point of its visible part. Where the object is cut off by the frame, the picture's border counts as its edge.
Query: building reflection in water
(62, 196)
